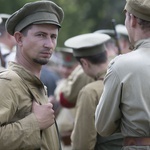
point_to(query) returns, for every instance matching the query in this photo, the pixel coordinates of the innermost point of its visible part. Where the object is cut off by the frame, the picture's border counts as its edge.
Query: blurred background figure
(66, 61)
(64, 116)
(49, 77)
(67, 97)
(7, 43)
(110, 45)
(123, 40)
(66, 64)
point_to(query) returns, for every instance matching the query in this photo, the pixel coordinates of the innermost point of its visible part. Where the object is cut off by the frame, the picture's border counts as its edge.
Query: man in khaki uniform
(125, 101)
(27, 120)
(90, 52)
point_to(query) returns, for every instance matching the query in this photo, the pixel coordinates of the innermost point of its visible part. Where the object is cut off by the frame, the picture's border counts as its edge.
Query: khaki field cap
(38, 12)
(139, 8)
(87, 44)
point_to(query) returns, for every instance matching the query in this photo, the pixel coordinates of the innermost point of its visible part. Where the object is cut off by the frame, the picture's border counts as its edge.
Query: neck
(141, 34)
(99, 70)
(34, 68)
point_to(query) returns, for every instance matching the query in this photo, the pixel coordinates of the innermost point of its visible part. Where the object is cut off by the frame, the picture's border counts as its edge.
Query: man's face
(39, 43)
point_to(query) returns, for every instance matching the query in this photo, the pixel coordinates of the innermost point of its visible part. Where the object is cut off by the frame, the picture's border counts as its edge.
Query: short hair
(24, 31)
(95, 59)
(143, 23)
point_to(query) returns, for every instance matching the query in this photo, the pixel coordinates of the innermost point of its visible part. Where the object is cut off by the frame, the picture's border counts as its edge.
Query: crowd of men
(91, 94)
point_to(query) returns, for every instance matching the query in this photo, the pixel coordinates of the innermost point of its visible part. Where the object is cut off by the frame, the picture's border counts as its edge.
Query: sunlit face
(39, 43)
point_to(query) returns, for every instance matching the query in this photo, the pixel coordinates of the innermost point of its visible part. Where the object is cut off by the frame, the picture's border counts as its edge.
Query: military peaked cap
(38, 12)
(139, 8)
(87, 44)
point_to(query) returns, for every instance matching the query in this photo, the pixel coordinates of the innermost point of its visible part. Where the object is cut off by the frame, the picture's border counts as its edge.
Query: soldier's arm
(16, 132)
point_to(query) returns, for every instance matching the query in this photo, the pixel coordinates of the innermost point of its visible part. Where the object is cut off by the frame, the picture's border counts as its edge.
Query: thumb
(34, 103)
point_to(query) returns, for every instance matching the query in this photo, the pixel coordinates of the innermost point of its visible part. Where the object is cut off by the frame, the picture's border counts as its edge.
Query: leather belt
(137, 141)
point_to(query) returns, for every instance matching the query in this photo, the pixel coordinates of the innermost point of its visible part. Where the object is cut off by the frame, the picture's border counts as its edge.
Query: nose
(49, 43)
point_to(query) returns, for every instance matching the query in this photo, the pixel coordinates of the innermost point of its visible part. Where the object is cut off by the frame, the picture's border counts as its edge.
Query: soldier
(110, 45)
(123, 40)
(27, 119)
(65, 117)
(7, 42)
(125, 100)
(66, 62)
(89, 50)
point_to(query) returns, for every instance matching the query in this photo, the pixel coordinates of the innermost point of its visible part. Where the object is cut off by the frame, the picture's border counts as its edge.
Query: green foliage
(81, 16)
(9, 6)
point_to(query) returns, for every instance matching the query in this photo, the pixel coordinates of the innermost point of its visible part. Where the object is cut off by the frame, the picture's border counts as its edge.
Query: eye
(54, 36)
(41, 35)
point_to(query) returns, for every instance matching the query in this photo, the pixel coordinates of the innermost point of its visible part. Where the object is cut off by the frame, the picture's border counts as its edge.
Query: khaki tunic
(84, 135)
(18, 125)
(125, 101)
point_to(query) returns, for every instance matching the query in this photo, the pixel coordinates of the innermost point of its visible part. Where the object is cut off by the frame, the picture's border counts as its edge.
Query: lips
(46, 54)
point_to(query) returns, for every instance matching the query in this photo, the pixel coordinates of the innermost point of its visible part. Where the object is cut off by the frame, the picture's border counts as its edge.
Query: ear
(18, 36)
(133, 20)
(83, 62)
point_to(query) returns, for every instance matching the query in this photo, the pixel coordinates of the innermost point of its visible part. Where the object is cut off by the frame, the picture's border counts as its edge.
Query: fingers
(44, 114)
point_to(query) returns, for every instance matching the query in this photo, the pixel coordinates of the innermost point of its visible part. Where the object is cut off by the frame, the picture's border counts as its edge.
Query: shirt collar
(144, 43)
(100, 76)
(24, 73)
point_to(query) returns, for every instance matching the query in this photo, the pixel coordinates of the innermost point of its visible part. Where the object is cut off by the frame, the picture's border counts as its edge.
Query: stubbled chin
(43, 61)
